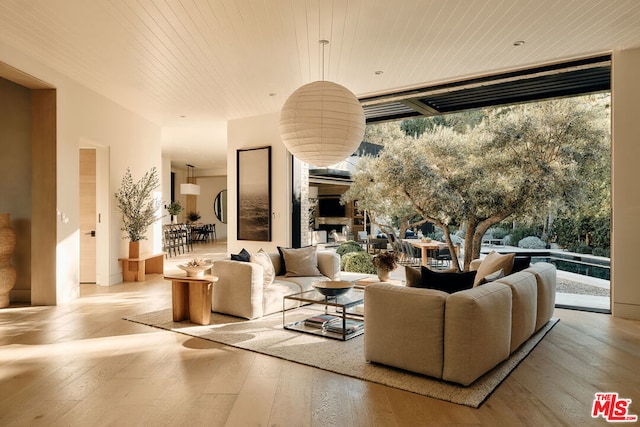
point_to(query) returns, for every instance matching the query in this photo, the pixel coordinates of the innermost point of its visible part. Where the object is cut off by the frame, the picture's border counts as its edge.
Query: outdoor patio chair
(443, 257)
(412, 255)
(401, 254)
(377, 244)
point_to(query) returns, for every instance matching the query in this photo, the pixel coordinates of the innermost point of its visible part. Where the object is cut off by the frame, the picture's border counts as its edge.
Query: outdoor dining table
(425, 247)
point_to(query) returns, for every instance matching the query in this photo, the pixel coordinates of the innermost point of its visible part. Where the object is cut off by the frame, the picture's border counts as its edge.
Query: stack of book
(333, 324)
(351, 326)
(320, 321)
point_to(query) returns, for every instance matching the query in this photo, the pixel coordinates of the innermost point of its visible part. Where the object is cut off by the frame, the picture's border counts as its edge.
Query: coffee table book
(342, 307)
(320, 321)
(351, 326)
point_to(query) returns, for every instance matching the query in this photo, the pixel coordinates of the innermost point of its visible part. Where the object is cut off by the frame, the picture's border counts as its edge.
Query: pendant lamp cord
(189, 173)
(323, 43)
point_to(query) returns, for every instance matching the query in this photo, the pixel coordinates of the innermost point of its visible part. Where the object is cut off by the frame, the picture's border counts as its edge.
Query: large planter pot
(7, 271)
(134, 250)
(383, 274)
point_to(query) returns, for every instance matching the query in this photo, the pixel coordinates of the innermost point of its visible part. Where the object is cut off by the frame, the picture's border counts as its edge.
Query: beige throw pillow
(263, 258)
(301, 262)
(493, 277)
(492, 263)
(413, 277)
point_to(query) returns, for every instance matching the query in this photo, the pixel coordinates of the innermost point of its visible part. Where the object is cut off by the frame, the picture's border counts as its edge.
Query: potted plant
(193, 216)
(174, 209)
(138, 207)
(385, 262)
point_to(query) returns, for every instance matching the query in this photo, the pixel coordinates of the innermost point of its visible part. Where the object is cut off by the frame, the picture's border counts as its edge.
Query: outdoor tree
(517, 161)
(459, 122)
(392, 208)
(585, 225)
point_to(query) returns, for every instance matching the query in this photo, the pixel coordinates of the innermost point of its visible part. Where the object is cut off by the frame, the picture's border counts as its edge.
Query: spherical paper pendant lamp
(322, 123)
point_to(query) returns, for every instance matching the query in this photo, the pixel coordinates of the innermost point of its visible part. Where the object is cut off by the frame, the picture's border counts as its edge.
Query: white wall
(180, 178)
(166, 188)
(254, 132)
(132, 142)
(625, 196)
(210, 186)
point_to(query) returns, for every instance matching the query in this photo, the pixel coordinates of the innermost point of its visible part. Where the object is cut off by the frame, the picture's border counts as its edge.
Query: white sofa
(460, 336)
(240, 290)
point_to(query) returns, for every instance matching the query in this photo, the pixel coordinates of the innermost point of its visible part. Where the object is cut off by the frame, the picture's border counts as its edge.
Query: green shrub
(602, 252)
(532, 242)
(499, 233)
(601, 233)
(581, 249)
(349, 246)
(522, 231)
(571, 233)
(358, 262)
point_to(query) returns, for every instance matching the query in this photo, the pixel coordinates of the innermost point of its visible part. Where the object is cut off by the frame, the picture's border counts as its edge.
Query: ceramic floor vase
(134, 250)
(383, 274)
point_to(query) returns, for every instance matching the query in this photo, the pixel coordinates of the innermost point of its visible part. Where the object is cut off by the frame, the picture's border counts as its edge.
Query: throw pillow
(520, 263)
(283, 266)
(413, 276)
(263, 258)
(492, 263)
(493, 277)
(449, 282)
(300, 262)
(243, 256)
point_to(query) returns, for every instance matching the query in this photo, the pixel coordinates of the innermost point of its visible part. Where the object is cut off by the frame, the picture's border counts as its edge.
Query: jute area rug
(267, 336)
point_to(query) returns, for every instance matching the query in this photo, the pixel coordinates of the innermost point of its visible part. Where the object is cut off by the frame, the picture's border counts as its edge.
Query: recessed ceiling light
(518, 43)
(379, 73)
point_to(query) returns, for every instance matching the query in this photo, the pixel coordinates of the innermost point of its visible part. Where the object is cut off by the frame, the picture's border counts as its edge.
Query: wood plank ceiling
(191, 65)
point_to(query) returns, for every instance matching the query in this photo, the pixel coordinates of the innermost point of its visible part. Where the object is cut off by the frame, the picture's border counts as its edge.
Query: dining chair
(443, 256)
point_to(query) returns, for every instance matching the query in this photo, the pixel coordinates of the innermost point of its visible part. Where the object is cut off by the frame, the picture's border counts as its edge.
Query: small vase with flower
(385, 263)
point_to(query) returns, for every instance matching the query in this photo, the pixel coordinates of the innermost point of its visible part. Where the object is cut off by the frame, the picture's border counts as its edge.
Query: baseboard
(587, 309)
(626, 311)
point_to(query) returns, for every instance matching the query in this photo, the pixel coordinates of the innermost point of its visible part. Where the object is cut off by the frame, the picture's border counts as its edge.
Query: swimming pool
(576, 263)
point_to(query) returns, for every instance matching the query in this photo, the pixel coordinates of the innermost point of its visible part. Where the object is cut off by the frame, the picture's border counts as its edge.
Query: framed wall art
(254, 194)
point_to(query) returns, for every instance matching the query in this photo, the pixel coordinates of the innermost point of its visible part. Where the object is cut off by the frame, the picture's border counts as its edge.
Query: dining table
(425, 248)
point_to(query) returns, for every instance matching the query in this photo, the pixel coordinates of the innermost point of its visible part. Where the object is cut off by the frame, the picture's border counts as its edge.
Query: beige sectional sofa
(460, 336)
(241, 290)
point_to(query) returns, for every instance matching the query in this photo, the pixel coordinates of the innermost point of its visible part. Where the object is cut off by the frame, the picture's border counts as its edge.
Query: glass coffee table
(340, 317)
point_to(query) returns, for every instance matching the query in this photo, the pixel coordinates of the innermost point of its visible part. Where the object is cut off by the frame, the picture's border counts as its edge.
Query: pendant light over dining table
(190, 188)
(322, 123)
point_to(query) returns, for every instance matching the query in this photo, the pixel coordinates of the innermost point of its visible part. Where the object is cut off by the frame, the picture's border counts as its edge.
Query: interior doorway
(94, 215)
(87, 215)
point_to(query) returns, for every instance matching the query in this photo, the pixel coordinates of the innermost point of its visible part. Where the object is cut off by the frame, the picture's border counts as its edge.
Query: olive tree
(516, 162)
(384, 207)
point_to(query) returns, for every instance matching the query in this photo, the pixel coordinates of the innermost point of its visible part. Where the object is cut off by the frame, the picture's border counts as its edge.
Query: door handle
(92, 233)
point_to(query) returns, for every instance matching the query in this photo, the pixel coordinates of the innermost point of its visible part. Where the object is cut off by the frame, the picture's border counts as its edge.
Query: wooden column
(43, 197)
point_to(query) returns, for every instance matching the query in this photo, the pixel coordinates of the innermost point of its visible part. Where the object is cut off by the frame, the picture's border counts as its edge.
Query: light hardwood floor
(80, 364)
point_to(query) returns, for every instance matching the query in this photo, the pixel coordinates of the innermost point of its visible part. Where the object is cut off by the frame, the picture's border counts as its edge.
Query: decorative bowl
(195, 270)
(333, 288)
